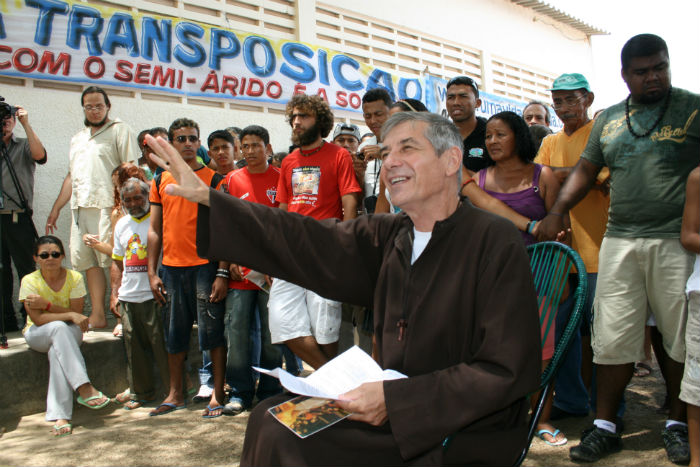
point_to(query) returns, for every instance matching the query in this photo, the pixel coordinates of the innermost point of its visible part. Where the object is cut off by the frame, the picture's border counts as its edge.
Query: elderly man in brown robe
(455, 308)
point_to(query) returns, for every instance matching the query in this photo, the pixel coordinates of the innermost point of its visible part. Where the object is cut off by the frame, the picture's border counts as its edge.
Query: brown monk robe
(461, 322)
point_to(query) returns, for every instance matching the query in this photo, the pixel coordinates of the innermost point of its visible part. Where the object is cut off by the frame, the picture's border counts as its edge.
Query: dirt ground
(114, 436)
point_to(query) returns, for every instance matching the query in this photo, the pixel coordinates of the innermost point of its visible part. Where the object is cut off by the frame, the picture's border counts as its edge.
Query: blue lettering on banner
(158, 37)
(196, 55)
(47, 8)
(76, 28)
(403, 87)
(249, 56)
(381, 79)
(217, 51)
(337, 67)
(114, 36)
(323, 67)
(304, 72)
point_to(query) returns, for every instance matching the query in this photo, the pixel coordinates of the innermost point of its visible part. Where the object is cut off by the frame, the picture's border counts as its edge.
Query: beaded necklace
(658, 120)
(313, 151)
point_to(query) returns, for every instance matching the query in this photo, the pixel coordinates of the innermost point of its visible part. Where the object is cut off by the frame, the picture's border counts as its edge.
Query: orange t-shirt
(180, 219)
(589, 218)
(257, 188)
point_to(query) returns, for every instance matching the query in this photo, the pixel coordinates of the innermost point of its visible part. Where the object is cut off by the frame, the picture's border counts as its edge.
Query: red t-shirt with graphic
(257, 188)
(313, 184)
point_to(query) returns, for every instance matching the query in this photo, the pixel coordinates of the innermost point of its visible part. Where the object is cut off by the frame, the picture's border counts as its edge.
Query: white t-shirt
(130, 246)
(420, 241)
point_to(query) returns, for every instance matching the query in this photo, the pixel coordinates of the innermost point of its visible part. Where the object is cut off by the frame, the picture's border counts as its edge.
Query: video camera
(6, 110)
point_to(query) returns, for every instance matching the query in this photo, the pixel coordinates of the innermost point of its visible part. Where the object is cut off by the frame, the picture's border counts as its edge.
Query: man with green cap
(572, 97)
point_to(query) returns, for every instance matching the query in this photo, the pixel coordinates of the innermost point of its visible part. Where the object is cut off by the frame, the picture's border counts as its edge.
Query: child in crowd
(690, 386)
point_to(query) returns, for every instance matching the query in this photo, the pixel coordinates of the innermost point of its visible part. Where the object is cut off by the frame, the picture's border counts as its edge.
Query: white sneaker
(204, 394)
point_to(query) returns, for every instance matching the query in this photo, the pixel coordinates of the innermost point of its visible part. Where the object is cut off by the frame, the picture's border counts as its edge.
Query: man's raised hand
(189, 186)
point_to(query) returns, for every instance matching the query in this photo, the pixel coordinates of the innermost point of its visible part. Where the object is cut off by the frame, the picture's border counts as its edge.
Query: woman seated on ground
(53, 297)
(529, 189)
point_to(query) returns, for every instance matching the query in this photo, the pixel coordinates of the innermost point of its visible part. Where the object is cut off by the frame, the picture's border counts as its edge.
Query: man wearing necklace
(650, 142)
(317, 180)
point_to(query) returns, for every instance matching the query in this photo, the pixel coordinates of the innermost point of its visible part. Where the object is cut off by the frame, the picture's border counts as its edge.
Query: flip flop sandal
(561, 442)
(84, 402)
(134, 404)
(170, 408)
(642, 369)
(58, 428)
(123, 397)
(210, 409)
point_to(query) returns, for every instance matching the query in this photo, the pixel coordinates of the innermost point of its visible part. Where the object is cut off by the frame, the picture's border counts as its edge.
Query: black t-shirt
(475, 156)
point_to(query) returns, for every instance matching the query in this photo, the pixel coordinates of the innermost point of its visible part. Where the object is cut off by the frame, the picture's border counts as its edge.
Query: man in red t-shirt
(257, 183)
(185, 276)
(316, 180)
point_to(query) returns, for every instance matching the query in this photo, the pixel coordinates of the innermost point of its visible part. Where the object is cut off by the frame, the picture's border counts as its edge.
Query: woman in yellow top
(53, 297)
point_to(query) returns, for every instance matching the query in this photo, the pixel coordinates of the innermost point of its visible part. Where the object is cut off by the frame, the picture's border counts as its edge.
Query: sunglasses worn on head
(53, 254)
(183, 138)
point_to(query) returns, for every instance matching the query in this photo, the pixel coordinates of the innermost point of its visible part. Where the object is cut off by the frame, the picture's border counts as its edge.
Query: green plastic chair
(551, 263)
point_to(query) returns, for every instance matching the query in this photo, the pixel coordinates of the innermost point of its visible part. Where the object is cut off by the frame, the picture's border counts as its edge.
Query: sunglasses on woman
(53, 254)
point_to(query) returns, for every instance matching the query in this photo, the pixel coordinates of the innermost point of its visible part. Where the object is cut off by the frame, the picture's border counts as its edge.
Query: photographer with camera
(18, 157)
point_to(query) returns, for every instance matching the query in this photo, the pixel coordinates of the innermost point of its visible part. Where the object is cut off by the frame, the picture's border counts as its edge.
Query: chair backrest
(551, 263)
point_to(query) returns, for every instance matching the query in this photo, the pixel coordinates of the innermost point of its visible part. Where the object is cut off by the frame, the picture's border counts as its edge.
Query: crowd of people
(203, 235)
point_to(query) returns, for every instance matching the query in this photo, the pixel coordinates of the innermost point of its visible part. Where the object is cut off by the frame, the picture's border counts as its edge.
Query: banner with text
(72, 41)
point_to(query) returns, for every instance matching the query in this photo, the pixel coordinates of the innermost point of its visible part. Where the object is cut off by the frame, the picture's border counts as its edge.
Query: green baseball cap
(570, 82)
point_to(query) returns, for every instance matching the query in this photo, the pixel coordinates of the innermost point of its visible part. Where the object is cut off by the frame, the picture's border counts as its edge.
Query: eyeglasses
(568, 102)
(183, 138)
(94, 108)
(53, 254)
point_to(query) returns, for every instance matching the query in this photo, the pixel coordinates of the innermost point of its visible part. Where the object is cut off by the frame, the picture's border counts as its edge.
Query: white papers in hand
(340, 375)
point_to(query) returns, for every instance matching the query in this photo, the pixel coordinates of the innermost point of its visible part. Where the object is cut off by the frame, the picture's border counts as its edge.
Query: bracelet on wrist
(530, 227)
(470, 180)
(222, 271)
(225, 276)
(48, 306)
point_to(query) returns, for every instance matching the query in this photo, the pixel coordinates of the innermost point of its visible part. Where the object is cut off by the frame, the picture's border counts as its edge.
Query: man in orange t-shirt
(185, 276)
(316, 180)
(257, 183)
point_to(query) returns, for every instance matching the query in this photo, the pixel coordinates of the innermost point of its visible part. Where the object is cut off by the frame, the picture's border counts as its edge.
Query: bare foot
(118, 330)
(214, 409)
(550, 435)
(62, 427)
(123, 397)
(91, 397)
(97, 320)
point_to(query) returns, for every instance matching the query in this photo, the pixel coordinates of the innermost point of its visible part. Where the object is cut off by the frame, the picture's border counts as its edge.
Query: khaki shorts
(89, 221)
(636, 277)
(690, 386)
(298, 312)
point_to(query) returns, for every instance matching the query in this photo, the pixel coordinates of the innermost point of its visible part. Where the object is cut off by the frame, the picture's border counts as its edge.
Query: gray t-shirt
(648, 175)
(21, 158)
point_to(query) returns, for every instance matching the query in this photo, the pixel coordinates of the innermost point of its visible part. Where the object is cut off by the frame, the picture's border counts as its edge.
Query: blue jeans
(187, 299)
(240, 315)
(570, 394)
(293, 364)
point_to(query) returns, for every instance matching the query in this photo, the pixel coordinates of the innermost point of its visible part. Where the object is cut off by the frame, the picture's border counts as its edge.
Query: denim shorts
(187, 300)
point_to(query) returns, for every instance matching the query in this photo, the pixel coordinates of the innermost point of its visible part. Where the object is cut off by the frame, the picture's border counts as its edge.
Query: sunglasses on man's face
(183, 138)
(53, 254)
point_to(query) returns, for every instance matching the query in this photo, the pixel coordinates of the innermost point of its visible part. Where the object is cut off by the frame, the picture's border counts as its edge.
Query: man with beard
(141, 314)
(650, 142)
(94, 153)
(317, 180)
(461, 102)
